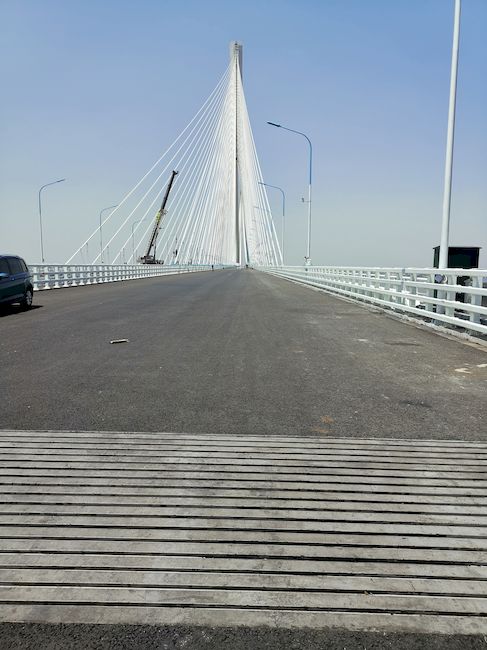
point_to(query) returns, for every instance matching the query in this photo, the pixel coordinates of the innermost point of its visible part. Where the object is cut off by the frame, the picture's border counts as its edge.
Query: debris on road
(119, 341)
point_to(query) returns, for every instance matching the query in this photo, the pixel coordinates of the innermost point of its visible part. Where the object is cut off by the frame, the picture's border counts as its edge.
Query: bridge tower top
(236, 51)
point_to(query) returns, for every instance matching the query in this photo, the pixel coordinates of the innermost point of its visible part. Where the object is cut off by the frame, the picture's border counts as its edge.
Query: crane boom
(150, 254)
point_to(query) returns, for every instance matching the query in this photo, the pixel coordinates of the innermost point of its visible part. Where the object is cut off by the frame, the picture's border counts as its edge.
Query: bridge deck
(243, 530)
(232, 352)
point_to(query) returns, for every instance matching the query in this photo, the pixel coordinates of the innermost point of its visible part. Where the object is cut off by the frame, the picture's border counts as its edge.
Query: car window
(15, 265)
(4, 266)
(24, 266)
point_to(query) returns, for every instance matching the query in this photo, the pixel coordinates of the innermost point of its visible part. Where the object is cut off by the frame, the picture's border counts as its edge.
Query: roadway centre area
(233, 352)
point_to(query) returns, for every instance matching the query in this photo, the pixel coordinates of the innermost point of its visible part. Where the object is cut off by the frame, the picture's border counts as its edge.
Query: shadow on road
(12, 310)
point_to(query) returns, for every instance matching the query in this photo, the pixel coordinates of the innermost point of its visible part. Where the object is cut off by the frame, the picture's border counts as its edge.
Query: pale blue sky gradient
(95, 91)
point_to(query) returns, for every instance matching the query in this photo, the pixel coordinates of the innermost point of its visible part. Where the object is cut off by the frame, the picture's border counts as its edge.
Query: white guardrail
(442, 296)
(56, 276)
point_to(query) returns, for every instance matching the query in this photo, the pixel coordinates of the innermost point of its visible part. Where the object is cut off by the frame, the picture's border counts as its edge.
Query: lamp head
(274, 124)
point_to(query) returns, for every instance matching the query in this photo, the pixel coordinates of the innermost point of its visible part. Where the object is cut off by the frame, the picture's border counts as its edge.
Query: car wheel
(26, 302)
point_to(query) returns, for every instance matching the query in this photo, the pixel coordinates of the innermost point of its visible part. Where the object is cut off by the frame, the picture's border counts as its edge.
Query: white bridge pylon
(217, 212)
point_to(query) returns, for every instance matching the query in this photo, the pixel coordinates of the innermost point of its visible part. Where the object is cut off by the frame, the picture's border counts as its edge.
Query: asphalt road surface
(232, 352)
(134, 637)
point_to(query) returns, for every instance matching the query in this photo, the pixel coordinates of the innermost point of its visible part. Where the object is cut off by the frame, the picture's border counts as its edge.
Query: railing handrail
(391, 269)
(432, 294)
(56, 276)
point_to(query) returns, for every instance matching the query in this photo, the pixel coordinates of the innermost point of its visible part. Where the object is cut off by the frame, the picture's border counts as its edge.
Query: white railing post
(451, 295)
(476, 298)
(411, 302)
(415, 292)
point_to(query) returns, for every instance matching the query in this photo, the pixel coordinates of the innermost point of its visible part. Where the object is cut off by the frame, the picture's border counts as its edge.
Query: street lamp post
(308, 248)
(445, 221)
(40, 213)
(283, 213)
(110, 207)
(257, 207)
(133, 244)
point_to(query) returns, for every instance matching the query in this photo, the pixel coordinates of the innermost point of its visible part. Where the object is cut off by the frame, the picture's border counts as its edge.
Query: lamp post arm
(41, 188)
(310, 148)
(139, 220)
(53, 183)
(110, 207)
(276, 187)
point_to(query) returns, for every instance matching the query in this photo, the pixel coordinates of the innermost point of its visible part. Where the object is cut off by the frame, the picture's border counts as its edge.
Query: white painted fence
(56, 276)
(432, 294)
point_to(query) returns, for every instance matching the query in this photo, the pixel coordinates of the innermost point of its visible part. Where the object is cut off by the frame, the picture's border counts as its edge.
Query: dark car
(15, 281)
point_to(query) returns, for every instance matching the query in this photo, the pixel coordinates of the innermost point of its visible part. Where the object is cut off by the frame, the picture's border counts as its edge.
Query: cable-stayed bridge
(217, 213)
(231, 448)
(203, 205)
